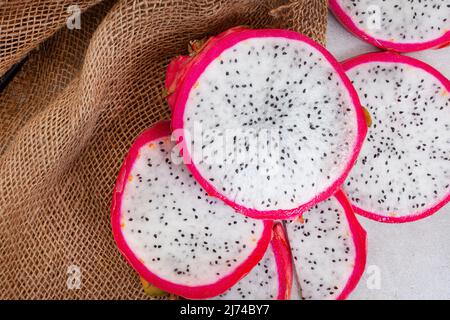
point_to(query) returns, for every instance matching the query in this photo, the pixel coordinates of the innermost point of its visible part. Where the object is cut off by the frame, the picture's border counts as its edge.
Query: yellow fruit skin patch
(367, 117)
(153, 291)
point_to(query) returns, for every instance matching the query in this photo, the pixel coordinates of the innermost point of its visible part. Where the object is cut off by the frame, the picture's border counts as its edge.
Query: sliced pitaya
(271, 278)
(174, 235)
(259, 108)
(403, 171)
(329, 249)
(397, 25)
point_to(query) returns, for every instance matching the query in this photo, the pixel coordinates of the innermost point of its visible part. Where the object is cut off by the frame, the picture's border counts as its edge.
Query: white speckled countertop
(413, 259)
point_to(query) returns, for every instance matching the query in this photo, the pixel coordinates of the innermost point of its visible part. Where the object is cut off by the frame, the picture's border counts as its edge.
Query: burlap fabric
(70, 114)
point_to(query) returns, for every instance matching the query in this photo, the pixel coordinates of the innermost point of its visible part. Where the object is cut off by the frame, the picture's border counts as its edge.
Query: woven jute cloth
(90, 83)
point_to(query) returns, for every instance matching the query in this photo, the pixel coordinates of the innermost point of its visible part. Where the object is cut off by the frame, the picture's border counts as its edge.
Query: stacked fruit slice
(185, 242)
(238, 197)
(266, 107)
(403, 172)
(397, 25)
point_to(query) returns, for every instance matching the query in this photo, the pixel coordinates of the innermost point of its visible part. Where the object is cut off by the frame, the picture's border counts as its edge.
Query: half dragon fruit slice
(329, 249)
(174, 235)
(403, 172)
(265, 107)
(398, 25)
(271, 278)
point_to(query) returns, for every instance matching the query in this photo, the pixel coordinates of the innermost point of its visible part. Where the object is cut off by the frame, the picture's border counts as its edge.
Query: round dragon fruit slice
(329, 249)
(271, 278)
(266, 107)
(174, 235)
(398, 25)
(403, 172)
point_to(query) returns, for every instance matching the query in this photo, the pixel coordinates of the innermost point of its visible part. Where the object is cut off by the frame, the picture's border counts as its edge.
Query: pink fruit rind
(214, 51)
(282, 252)
(159, 130)
(398, 58)
(180, 65)
(359, 236)
(173, 77)
(347, 21)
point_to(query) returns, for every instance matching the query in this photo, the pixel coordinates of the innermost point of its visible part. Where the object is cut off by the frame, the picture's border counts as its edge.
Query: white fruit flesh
(262, 283)
(400, 21)
(323, 250)
(295, 291)
(285, 117)
(404, 165)
(176, 230)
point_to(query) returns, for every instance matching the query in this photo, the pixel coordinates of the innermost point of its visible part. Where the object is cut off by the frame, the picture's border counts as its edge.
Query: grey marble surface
(412, 260)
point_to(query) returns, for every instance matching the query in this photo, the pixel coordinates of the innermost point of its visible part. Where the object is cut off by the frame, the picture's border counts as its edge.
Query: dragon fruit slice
(329, 249)
(403, 172)
(174, 235)
(398, 25)
(271, 278)
(260, 107)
